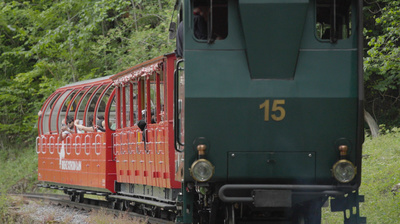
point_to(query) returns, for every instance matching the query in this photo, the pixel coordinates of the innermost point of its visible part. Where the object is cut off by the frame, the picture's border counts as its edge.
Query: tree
(46, 44)
(381, 61)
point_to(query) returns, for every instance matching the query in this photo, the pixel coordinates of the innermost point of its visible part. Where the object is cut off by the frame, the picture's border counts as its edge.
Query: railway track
(91, 204)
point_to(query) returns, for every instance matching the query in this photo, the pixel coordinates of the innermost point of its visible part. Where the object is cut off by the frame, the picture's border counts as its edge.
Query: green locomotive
(269, 110)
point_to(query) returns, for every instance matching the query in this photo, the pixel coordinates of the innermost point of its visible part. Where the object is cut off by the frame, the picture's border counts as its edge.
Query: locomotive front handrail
(319, 189)
(176, 108)
(51, 145)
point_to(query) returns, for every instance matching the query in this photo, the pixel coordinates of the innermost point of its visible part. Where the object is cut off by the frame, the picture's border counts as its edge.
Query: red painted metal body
(149, 160)
(81, 159)
(95, 160)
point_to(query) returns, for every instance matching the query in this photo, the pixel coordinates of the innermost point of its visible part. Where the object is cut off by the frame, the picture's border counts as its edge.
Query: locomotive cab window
(333, 20)
(210, 20)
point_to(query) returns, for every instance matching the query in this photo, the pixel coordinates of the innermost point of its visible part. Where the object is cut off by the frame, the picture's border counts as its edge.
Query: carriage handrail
(86, 143)
(76, 144)
(37, 138)
(147, 144)
(97, 143)
(66, 145)
(51, 146)
(114, 137)
(130, 151)
(42, 148)
(137, 144)
(58, 146)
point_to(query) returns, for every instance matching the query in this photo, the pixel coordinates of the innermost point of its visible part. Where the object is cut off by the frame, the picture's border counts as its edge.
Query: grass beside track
(380, 173)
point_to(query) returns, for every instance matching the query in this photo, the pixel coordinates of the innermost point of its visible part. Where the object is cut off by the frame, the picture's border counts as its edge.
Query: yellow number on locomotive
(278, 112)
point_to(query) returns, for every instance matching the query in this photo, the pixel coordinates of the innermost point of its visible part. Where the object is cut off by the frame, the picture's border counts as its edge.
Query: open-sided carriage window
(74, 106)
(81, 110)
(93, 101)
(122, 111)
(153, 97)
(59, 109)
(133, 103)
(143, 98)
(112, 114)
(162, 114)
(46, 114)
(210, 19)
(333, 19)
(70, 102)
(101, 109)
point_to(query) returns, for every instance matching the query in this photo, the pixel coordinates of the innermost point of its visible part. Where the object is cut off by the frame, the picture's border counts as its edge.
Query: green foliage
(18, 170)
(46, 44)
(381, 61)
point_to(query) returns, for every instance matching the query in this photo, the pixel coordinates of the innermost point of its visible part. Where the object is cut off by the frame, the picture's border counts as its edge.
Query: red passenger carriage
(124, 159)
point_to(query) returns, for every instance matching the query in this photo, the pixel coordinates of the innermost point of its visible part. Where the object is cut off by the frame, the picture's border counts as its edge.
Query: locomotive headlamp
(344, 171)
(202, 170)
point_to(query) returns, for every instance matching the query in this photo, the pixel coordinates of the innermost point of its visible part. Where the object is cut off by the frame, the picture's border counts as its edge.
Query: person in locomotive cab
(200, 18)
(67, 127)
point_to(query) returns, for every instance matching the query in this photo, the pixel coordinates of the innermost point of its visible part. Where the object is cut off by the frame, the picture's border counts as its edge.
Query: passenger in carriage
(67, 127)
(82, 128)
(100, 123)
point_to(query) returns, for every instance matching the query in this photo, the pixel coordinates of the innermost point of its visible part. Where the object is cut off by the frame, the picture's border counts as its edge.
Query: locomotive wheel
(113, 204)
(155, 212)
(72, 197)
(229, 215)
(79, 198)
(120, 205)
(127, 206)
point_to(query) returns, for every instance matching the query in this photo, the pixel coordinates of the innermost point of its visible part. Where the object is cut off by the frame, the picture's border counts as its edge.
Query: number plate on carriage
(272, 198)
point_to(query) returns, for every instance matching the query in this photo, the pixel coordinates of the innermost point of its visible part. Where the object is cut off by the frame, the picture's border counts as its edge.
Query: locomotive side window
(210, 21)
(333, 19)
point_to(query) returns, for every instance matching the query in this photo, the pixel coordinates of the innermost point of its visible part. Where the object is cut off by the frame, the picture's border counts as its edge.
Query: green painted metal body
(227, 82)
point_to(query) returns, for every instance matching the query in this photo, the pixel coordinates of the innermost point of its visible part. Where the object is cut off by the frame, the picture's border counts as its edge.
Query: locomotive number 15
(277, 113)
